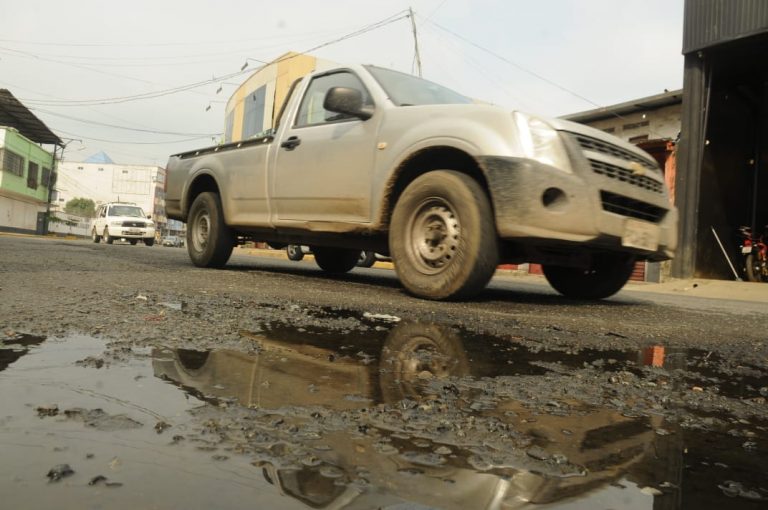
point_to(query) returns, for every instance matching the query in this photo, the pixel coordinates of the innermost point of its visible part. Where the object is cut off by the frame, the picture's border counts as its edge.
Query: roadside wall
(70, 225)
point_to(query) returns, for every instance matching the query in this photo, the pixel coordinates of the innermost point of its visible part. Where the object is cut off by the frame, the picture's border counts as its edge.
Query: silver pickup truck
(366, 158)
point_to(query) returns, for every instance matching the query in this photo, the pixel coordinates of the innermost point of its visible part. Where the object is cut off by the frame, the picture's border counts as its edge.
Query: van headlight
(542, 142)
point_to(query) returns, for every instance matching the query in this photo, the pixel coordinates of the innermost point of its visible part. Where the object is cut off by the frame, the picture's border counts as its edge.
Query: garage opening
(733, 189)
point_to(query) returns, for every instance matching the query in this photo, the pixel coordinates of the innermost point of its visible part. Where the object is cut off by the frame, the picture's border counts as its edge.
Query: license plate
(640, 234)
(132, 233)
(746, 250)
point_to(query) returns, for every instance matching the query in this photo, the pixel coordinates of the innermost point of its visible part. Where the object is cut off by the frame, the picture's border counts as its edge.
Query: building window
(32, 175)
(638, 139)
(635, 125)
(101, 169)
(79, 168)
(253, 120)
(610, 130)
(12, 162)
(45, 179)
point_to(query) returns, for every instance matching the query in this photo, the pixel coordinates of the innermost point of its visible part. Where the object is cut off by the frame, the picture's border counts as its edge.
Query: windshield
(126, 210)
(406, 90)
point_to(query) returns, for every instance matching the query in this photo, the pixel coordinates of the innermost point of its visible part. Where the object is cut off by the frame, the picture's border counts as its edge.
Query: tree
(81, 207)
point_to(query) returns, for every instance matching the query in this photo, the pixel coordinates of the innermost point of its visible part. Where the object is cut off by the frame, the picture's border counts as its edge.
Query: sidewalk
(712, 289)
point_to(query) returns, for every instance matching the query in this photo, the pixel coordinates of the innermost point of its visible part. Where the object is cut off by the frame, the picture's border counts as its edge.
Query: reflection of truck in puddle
(575, 453)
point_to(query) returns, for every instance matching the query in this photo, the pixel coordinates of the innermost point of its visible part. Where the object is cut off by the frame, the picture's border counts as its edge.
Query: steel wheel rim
(434, 235)
(419, 361)
(200, 231)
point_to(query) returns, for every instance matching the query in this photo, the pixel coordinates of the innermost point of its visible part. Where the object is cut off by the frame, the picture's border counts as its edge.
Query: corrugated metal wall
(710, 22)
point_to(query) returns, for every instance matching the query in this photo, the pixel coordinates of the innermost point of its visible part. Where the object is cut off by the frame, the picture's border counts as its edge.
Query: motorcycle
(755, 253)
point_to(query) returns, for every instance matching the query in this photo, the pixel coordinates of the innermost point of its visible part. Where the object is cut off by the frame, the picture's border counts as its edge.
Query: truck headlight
(116, 223)
(542, 142)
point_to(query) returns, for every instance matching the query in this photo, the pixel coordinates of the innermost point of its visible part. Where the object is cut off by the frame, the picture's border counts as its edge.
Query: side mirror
(348, 102)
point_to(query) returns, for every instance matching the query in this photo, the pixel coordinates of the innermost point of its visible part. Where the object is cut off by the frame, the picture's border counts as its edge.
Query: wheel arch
(202, 182)
(441, 157)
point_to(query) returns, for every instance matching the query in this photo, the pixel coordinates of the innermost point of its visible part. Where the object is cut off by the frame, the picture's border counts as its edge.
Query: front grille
(134, 224)
(626, 175)
(632, 208)
(592, 144)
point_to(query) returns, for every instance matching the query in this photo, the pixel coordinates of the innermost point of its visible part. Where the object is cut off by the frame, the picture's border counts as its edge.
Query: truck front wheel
(442, 236)
(209, 239)
(335, 260)
(607, 274)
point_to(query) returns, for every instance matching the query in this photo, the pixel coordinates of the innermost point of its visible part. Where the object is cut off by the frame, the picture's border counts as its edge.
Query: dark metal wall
(712, 22)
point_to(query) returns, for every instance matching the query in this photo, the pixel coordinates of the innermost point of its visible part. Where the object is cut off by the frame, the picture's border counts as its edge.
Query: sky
(142, 80)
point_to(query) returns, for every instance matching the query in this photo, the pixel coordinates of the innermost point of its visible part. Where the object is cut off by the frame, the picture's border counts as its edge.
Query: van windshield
(406, 90)
(126, 210)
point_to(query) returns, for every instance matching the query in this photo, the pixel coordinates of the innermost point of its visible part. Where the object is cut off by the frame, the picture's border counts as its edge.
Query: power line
(515, 64)
(368, 28)
(148, 45)
(129, 142)
(151, 95)
(153, 131)
(136, 97)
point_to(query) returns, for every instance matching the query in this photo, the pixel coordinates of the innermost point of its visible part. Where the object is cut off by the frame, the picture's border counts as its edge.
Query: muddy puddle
(401, 415)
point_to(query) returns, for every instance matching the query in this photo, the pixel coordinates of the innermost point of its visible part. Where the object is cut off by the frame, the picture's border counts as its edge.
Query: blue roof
(100, 157)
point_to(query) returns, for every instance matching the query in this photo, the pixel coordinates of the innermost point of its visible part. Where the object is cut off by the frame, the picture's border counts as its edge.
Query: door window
(311, 110)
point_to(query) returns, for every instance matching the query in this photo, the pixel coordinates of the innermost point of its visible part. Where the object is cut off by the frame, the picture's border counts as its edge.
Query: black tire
(609, 272)
(294, 252)
(133, 241)
(95, 237)
(754, 269)
(149, 241)
(209, 240)
(443, 236)
(108, 238)
(336, 260)
(366, 259)
(413, 350)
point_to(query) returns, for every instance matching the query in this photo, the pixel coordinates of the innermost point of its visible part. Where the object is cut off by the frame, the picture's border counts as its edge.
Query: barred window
(12, 162)
(32, 175)
(45, 179)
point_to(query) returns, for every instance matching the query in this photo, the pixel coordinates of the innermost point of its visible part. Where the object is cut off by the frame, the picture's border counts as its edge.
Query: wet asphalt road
(271, 383)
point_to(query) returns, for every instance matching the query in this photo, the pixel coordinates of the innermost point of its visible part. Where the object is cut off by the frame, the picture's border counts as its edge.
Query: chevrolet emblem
(637, 168)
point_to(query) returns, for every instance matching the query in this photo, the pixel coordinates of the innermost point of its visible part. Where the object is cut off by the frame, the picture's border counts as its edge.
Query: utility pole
(416, 57)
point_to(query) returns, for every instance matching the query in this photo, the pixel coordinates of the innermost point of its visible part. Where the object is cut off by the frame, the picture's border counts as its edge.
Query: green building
(27, 171)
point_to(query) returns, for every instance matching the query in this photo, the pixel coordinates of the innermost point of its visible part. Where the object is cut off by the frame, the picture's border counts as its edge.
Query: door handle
(291, 143)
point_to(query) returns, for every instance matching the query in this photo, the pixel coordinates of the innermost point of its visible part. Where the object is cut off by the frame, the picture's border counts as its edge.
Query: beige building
(254, 106)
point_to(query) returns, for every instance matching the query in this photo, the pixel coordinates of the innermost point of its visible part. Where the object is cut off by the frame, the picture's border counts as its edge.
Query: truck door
(325, 160)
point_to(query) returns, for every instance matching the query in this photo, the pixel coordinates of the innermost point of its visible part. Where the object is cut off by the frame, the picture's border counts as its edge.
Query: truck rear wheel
(366, 259)
(209, 239)
(294, 252)
(335, 260)
(442, 236)
(608, 273)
